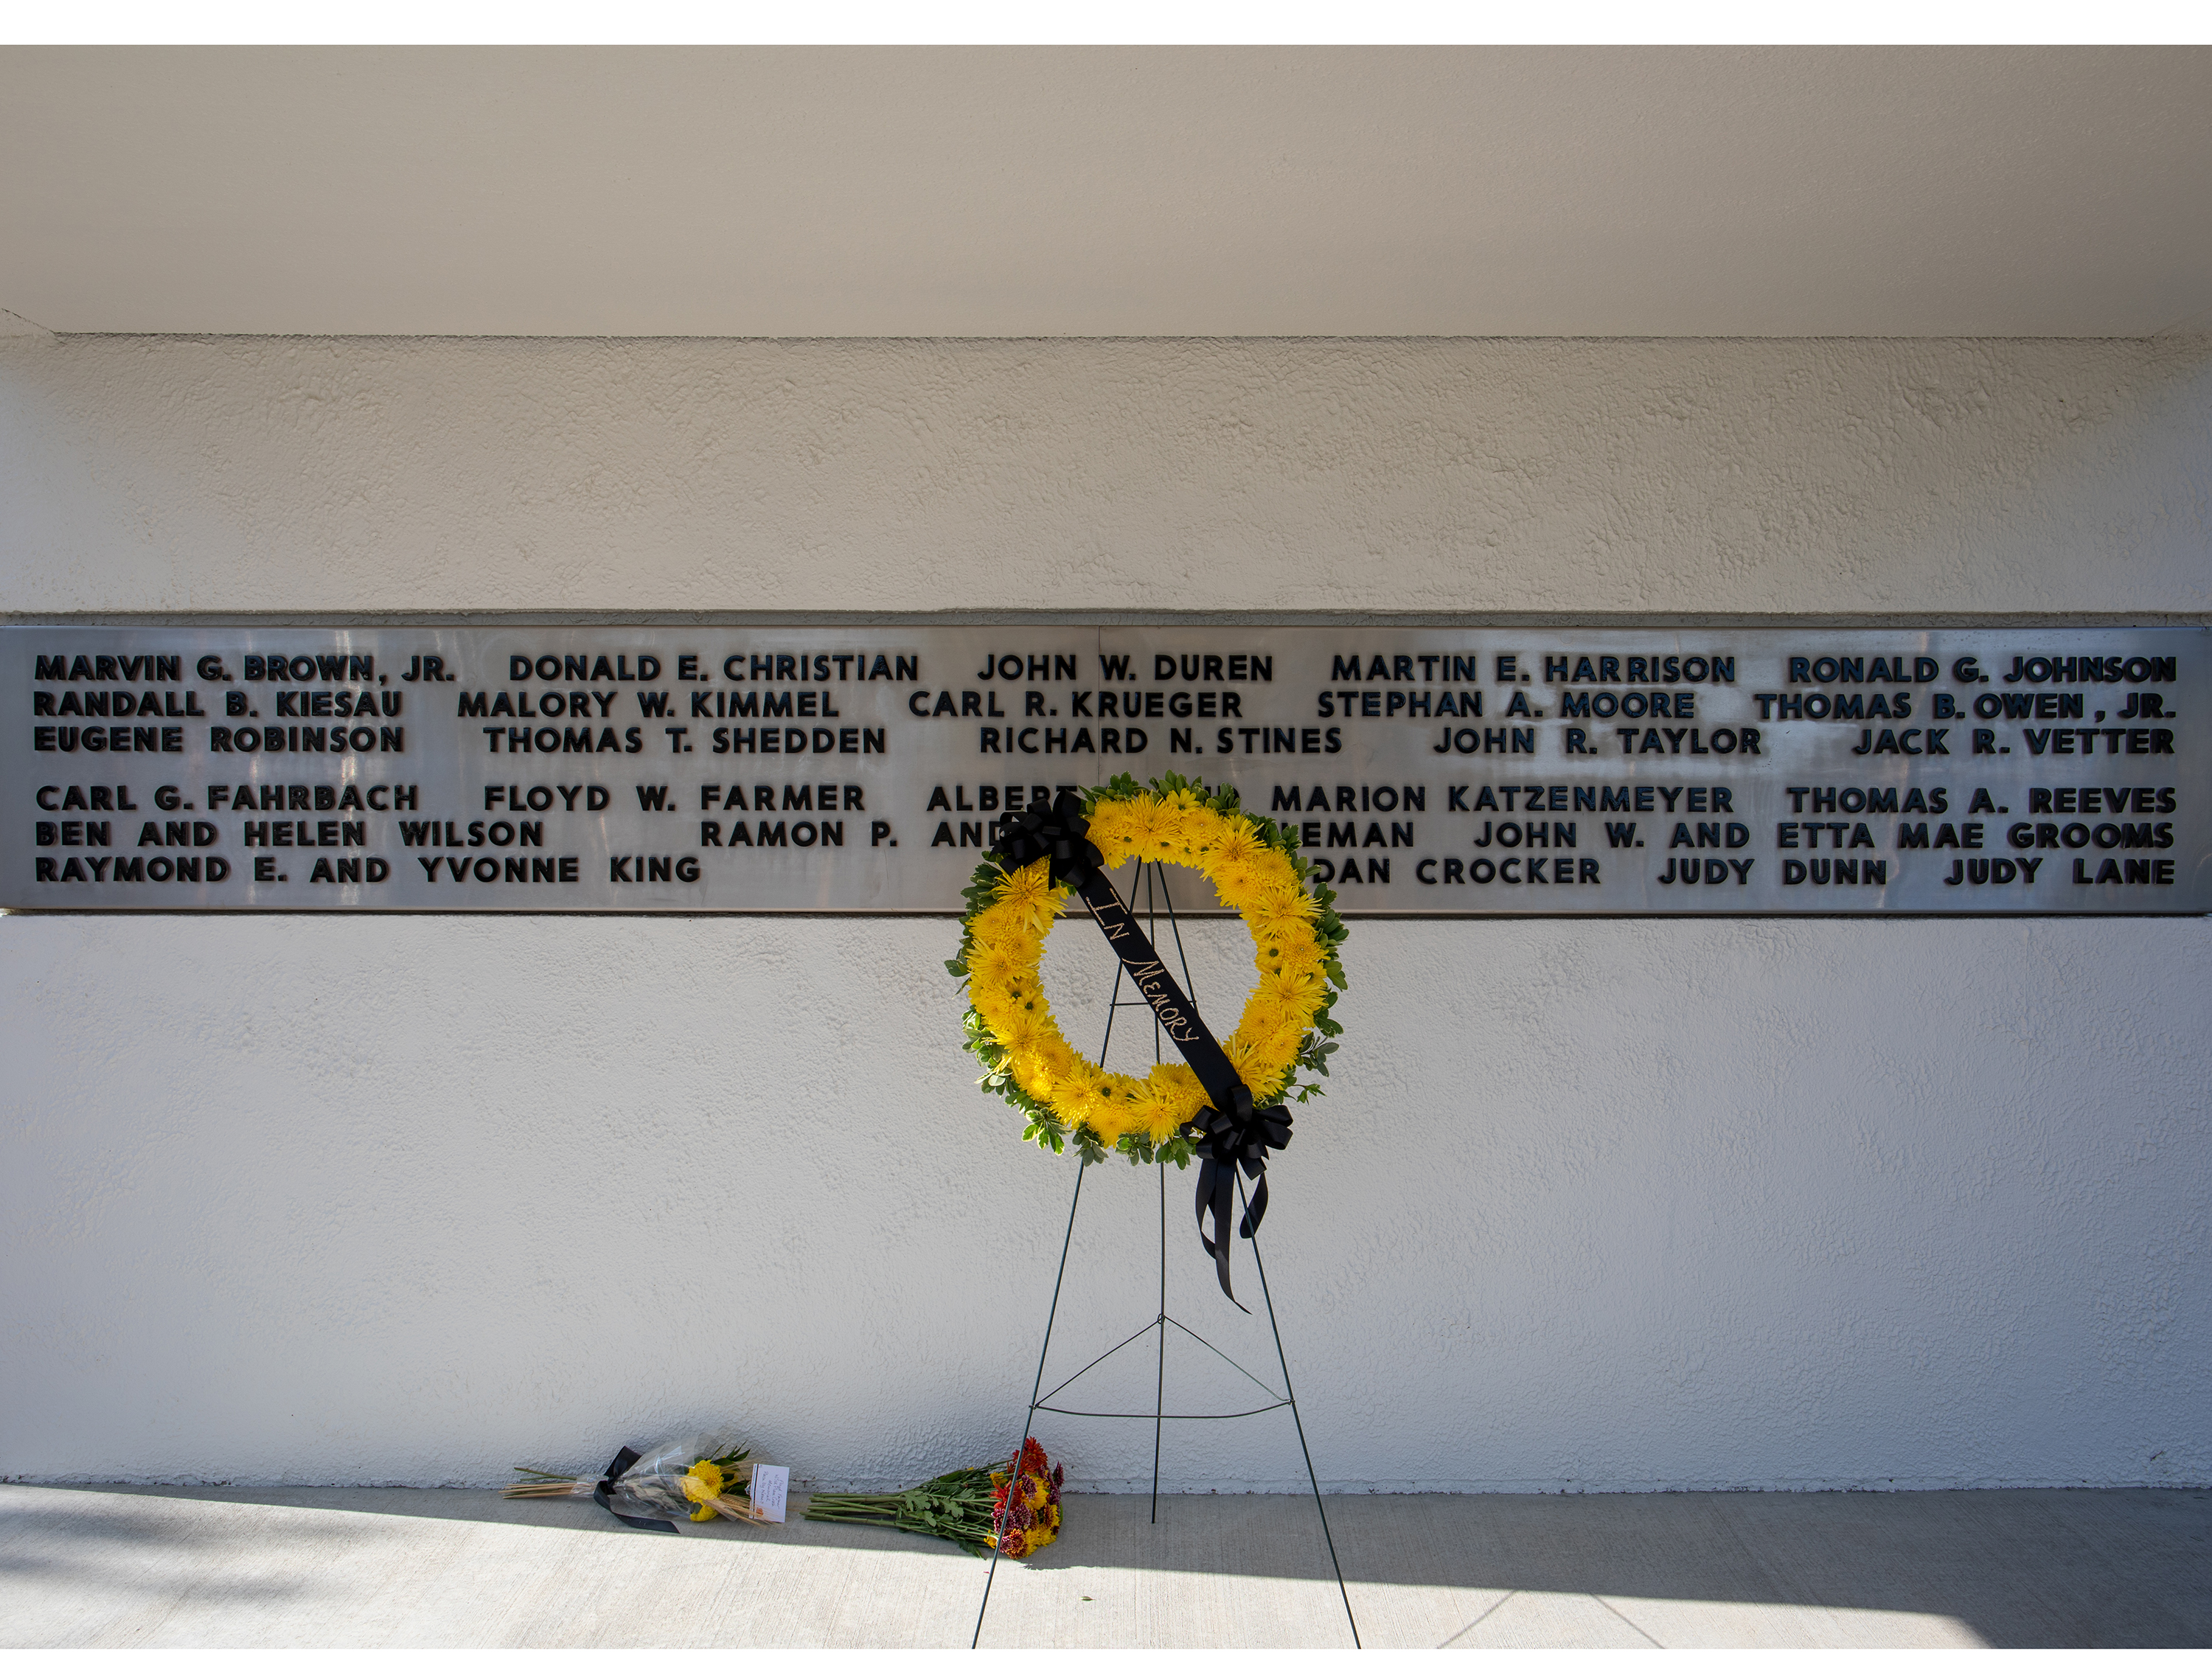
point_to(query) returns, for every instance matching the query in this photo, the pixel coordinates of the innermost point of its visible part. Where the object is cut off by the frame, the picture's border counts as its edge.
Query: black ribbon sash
(1231, 1132)
(602, 1495)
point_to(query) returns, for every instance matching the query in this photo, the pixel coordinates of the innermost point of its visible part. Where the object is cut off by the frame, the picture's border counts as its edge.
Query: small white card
(770, 1488)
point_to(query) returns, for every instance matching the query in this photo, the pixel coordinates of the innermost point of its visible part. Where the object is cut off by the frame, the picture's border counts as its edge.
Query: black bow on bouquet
(1231, 1132)
(701, 1475)
(603, 1494)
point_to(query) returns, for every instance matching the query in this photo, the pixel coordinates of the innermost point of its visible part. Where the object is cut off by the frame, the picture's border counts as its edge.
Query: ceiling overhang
(1108, 191)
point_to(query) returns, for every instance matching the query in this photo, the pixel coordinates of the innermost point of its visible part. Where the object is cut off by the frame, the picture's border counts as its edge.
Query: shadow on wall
(2013, 1569)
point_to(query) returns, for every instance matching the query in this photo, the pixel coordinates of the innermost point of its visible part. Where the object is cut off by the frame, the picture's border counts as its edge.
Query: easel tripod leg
(1058, 1278)
(1160, 1392)
(1291, 1394)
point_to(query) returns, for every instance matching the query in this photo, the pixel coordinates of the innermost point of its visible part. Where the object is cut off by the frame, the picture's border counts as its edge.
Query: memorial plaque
(1427, 770)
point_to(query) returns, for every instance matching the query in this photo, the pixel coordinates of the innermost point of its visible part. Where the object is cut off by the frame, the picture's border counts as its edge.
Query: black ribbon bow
(1060, 833)
(602, 1495)
(1231, 1132)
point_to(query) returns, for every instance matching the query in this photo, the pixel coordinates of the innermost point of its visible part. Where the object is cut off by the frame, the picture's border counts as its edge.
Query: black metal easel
(1156, 895)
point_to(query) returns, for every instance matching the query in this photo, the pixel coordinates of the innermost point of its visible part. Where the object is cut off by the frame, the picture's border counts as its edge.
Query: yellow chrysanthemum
(1294, 996)
(1289, 954)
(1264, 1021)
(1277, 909)
(1173, 828)
(991, 1002)
(1002, 988)
(1114, 1120)
(1018, 1026)
(1158, 1119)
(999, 926)
(1104, 1100)
(1147, 818)
(1039, 1072)
(1028, 896)
(1192, 837)
(999, 959)
(993, 963)
(1273, 1044)
(1262, 1078)
(1172, 1097)
(1261, 1015)
(1235, 846)
(1070, 1099)
(1238, 885)
(1112, 831)
(702, 1484)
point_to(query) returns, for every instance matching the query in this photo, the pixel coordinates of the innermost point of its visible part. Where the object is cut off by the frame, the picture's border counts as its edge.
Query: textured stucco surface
(1591, 1204)
(1461, 476)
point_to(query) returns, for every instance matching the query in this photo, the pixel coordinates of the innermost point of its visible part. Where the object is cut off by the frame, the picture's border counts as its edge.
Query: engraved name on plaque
(1423, 770)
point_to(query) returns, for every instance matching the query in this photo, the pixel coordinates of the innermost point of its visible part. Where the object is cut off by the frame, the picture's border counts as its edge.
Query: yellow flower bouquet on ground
(698, 1478)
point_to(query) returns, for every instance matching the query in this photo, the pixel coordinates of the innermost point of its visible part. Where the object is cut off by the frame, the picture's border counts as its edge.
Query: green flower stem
(952, 1507)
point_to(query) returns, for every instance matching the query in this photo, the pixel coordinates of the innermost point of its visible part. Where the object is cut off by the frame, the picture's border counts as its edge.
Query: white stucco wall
(1591, 1204)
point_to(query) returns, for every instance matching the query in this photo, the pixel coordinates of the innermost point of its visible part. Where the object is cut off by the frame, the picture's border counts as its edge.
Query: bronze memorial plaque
(1429, 770)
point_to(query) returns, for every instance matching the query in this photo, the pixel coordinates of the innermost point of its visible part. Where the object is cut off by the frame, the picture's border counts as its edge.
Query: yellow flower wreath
(1287, 1025)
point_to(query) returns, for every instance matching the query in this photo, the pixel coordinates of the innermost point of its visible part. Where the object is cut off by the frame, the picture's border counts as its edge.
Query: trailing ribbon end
(1238, 1136)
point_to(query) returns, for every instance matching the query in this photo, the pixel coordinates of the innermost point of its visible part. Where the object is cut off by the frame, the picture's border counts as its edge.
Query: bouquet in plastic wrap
(700, 1476)
(1013, 1508)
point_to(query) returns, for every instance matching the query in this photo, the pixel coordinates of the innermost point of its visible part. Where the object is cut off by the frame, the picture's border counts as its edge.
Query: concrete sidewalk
(231, 1566)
